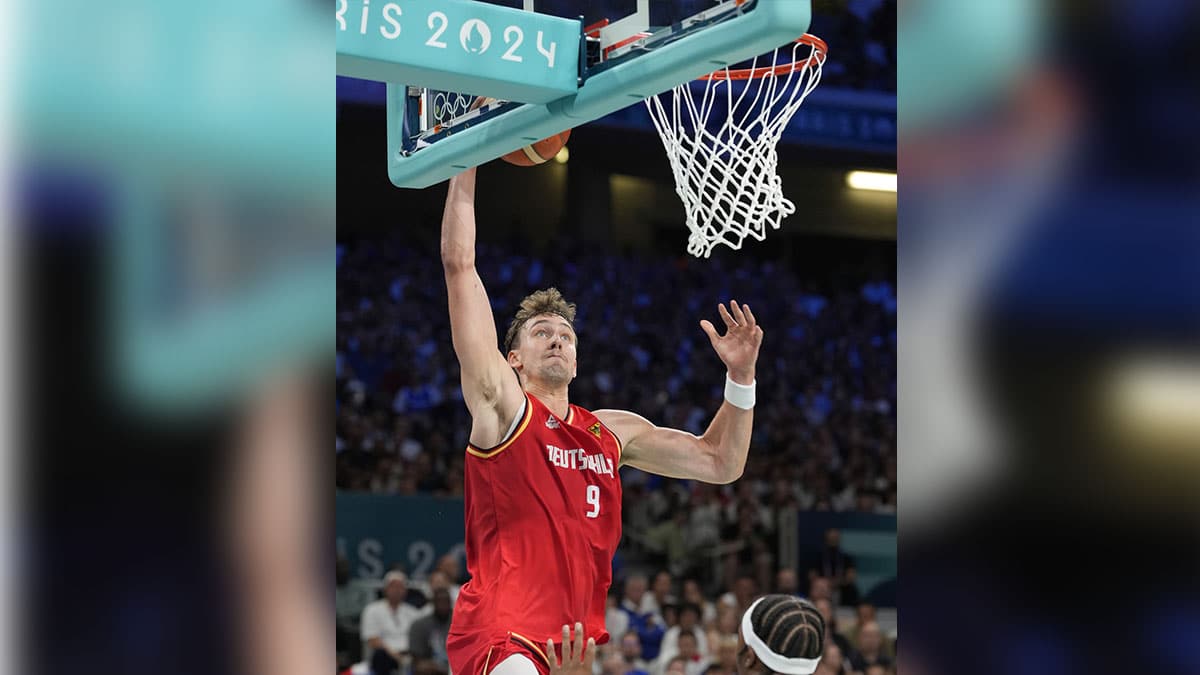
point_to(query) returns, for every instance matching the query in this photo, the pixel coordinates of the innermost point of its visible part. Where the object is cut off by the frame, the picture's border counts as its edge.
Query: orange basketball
(540, 152)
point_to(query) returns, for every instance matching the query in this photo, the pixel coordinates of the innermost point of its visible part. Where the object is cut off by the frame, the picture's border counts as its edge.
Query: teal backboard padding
(165, 106)
(459, 45)
(955, 56)
(184, 345)
(764, 25)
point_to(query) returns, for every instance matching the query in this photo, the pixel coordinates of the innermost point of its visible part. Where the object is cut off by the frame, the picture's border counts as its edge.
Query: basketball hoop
(726, 171)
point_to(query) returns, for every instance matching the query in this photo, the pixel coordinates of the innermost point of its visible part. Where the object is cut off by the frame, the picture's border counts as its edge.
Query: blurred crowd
(825, 430)
(862, 44)
(659, 625)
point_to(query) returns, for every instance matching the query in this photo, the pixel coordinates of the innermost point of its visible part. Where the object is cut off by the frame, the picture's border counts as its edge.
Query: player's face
(548, 349)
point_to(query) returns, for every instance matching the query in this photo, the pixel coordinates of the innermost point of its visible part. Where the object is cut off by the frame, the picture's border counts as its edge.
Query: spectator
(694, 662)
(825, 607)
(876, 669)
(693, 594)
(726, 624)
(427, 637)
(677, 666)
(705, 523)
(819, 588)
(646, 624)
(660, 594)
(631, 651)
(449, 565)
(385, 626)
(864, 614)
(726, 653)
(745, 589)
(833, 661)
(669, 540)
(613, 664)
(786, 583)
(833, 563)
(439, 580)
(689, 622)
(869, 648)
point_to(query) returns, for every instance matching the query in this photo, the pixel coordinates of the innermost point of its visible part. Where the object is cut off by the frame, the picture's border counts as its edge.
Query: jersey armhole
(518, 425)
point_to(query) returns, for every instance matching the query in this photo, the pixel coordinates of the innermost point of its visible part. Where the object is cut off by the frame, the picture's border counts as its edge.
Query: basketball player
(780, 634)
(542, 494)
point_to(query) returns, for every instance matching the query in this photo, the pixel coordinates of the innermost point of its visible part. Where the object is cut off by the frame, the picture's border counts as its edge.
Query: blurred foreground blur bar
(175, 188)
(1049, 275)
(213, 145)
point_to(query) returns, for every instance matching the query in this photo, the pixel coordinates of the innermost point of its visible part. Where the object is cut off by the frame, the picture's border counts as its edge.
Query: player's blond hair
(545, 301)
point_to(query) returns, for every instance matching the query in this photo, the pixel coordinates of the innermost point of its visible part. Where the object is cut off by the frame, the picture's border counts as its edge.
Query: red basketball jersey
(543, 519)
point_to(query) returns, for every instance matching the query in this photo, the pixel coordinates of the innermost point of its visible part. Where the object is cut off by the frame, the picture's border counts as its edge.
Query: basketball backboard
(548, 73)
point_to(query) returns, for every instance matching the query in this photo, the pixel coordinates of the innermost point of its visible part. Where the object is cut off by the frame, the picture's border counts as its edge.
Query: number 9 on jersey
(593, 498)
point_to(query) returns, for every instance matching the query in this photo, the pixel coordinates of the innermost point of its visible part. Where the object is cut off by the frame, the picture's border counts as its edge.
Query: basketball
(540, 152)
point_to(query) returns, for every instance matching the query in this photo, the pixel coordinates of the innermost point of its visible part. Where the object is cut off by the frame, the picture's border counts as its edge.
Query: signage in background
(376, 531)
(867, 537)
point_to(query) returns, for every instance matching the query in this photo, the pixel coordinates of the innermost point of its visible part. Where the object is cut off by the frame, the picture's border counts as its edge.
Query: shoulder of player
(622, 422)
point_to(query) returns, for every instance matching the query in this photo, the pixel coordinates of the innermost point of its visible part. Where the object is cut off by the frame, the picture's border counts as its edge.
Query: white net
(722, 143)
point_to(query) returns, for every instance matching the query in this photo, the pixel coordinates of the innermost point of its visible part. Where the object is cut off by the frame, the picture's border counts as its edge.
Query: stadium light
(871, 180)
(563, 155)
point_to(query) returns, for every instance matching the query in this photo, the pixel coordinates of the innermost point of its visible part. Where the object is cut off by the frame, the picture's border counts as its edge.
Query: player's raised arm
(719, 455)
(490, 388)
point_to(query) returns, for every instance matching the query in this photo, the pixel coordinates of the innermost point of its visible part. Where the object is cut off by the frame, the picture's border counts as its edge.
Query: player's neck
(554, 398)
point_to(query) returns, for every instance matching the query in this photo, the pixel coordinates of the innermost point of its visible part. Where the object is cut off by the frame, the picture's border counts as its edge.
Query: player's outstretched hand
(576, 659)
(738, 347)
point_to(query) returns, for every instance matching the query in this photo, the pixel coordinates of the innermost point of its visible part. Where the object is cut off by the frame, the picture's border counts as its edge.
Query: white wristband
(739, 395)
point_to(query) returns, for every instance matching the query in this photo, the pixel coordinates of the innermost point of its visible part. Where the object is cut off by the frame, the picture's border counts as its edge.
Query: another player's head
(541, 342)
(780, 634)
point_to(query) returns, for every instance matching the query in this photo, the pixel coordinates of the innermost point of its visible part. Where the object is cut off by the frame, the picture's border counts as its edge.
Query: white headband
(776, 662)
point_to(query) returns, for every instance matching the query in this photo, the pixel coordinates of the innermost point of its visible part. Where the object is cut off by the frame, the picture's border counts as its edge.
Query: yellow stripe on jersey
(620, 447)
(531, 644)
(516, 434)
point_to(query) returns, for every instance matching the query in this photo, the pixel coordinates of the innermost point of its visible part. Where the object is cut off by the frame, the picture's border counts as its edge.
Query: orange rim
(818, 57)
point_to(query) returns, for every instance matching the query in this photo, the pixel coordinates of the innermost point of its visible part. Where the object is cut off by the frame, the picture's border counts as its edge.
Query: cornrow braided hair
(789, 626)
